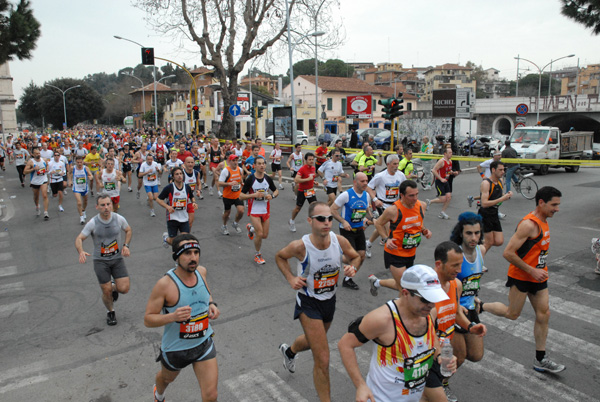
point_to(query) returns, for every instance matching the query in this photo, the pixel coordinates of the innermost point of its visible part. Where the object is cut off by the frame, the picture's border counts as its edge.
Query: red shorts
(190, 208)
(115, 200)
(263, 217)
(214, 165)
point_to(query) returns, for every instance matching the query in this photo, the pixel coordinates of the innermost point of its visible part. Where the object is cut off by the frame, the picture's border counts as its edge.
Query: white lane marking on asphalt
(32, 368)
(6, 271)
(569, 264)
(23, 383)
(525, 380)
(570, 281)
(3, 234)
(11, 287)
(586, 228)
(5, 256)
(557, 342)
(568, 308)
(14, 308)
(262, 385)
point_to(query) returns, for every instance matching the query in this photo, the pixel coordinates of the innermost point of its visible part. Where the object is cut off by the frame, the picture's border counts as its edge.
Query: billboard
(359, 106)
(244, 101)
(282, 125)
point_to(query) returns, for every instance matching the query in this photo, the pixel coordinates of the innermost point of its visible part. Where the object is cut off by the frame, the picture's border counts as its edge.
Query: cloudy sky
(77, 36)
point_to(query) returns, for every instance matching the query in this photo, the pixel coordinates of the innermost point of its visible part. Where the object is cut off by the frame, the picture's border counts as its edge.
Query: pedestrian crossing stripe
(262, 385)
(8, 310)
(9, 376)
(11, 287)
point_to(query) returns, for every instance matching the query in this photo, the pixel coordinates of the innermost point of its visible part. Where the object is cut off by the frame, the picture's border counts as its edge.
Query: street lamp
(317, 75)
(154, 76)
(541, 70)
(290, 51)
(64, 101)
(143, 92)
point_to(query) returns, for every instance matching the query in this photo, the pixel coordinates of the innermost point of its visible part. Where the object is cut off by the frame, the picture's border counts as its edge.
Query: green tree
(83, 104)
(19, 31)
(336, 68)
(586, 12)
(528, 85)
(30, 106)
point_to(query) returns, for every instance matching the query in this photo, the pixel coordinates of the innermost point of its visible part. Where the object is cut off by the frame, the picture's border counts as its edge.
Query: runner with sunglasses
(320, 262)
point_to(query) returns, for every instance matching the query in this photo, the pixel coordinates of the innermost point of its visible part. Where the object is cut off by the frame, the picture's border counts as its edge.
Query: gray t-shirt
(106, 235)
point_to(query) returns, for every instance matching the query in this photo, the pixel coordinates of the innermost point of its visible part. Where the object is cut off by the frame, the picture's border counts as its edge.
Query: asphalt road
(55, 344)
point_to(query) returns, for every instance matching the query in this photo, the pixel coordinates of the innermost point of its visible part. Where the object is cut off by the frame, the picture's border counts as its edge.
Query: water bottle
(446, 356)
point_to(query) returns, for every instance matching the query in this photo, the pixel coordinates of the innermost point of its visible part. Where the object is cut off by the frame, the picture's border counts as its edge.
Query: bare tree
(228, 34)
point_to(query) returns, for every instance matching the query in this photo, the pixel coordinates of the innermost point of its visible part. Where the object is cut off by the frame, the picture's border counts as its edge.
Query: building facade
(447, 76)
(8, 114)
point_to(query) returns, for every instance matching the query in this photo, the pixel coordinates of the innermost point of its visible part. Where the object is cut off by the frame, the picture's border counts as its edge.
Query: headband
(182, 249)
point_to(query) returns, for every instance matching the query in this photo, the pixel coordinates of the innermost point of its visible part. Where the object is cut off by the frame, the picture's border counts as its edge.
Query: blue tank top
(189, 334)
(355, 209)
(470, 275)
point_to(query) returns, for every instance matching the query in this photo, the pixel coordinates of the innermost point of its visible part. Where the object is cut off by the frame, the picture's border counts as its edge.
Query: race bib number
(179, 204)
(236, 187)
(277, 160)
(160, 154)
(95, 165)
(298, 162)
(309, 193)
(358, 215)
(109, 250)
(261, 194)
(216, 159)
(542, 259)
(197, 162)
(108, 186)
(411, 240)
(471, 285)
(194, 328)
(80, 180)
(202, 158)
(20, 156)
(41, 171)
(152, 177)
(416, 369)
(392, 193)
(325, 282)
(192, 185)
(335, 179)
(126, 160)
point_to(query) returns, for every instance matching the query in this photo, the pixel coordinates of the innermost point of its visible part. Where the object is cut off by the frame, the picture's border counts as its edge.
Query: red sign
(188, 107)
(519, 125)
(522, 109)
(359, 107)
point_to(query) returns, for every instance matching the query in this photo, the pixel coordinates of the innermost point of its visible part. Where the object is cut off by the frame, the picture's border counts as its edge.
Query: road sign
(522, 109)
(521, 119)
(235, 110)
(519, 125)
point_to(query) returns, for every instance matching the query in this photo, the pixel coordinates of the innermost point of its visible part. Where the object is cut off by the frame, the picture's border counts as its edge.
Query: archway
(579, 122)
(503, 125)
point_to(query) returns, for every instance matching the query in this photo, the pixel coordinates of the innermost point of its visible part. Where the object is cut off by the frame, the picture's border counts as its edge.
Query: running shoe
(46, 216)
(115, 294)
(84, 215)
(65, 192)
(368, 249)
(288, 364)
(237, 227)
(349, 283)
(373, 289)
(210, 191)
(201, 196)
(205, 185)
(443, 215)
(82, 220)
(281, 186)
(292, 226)
(547, 365)
(37, 211)
(258, 259)
(152, 214)
(470, 200)
(250, 231)
(92, 193)
(137, 195)
(224, 230)
(22, 184)
(428, 202)
(111, 318)
(154, 395)
(596, 245)
(129, 189)
(449, 394)
(165, 235)
(220, 194)
(61, 209)
(501, 215)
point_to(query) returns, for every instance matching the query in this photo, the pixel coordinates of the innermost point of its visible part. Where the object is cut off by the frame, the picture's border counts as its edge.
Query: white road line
(23, 383)
(570, 282)
(568, 308)
(526, 381)
(262, 385)
(586, 228)
(24, 370)
(557, 342)
(11, 287)
(569, 264)
(6, 271)
(3, 234)
(5, 256)
(14, 308)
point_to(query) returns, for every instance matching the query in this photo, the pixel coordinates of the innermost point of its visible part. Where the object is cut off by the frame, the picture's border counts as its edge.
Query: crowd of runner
(428, 304)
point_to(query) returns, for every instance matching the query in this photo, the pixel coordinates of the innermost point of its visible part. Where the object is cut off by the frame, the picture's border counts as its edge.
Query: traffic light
(252, 112)
(397, 106)
(387, 107)
(260, 111)
(148, 56)
(196, 112)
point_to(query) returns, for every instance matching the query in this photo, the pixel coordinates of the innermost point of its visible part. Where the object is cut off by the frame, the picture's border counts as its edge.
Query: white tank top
(321, 268)
(80, 180)
(190, 180)
(110, 184)
(179, 203)
(40, 177)
(297, 161)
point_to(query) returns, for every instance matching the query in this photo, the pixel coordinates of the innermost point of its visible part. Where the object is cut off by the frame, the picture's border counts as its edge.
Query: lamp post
(317, 75)
(153, 76)
(290, 51)
(143, 93)
(541, 70)
(64, 101)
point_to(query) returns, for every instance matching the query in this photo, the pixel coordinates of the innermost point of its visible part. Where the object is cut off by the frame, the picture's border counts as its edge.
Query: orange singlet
(534, 251)
(406, 230)
(446, 312)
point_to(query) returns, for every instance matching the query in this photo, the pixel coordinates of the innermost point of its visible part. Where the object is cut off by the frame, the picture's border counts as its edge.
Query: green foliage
(30, 106)
(330, 68)
(19, 31)
(528, 85)
(83, 104)
(586, 12)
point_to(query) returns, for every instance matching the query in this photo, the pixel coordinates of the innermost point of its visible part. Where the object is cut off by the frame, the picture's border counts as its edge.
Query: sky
(77, 37)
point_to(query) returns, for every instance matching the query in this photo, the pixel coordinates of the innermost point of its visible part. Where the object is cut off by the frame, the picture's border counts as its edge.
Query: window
(343, 106)
(329, 104)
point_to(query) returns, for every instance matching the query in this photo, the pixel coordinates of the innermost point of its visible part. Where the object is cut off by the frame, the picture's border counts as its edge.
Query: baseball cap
(233, 157)
(424, 280)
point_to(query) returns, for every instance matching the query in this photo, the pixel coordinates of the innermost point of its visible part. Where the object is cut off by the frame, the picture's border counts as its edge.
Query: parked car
(301, 137)
(333, 138)
(383, 140)
(364, 133)
(593, 153)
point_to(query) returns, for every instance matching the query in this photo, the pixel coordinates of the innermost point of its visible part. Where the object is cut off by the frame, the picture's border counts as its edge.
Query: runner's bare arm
(294, 249)
(153, 317)
(526, 229)
(351, 254)
(79, 246)
(213, 310)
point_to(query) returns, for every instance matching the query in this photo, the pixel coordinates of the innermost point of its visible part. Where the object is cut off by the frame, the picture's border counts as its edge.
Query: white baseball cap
(424, 280)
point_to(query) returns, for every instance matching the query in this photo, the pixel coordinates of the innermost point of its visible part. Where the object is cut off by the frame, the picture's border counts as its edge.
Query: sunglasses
(415, 293)
(322, 218)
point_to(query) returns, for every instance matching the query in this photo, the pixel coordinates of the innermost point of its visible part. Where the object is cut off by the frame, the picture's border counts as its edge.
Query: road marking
(11, 287)
(3, 234)
(526, 381)
(6, 271)
(262, 385)
(5, 256)
(14, 308)
(566, 307)
(558, 342)
(29, 369)
(570, 282)
(586, 228)
(563, 262)
(23, 383)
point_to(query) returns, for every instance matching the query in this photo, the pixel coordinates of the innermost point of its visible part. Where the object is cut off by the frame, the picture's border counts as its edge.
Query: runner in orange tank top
(527, 252)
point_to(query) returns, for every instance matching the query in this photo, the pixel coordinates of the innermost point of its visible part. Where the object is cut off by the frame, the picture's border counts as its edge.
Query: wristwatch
(126, 245)
(471, 325)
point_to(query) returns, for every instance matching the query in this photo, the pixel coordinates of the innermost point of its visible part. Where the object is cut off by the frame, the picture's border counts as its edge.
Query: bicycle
(424, 178)
(524, 184)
